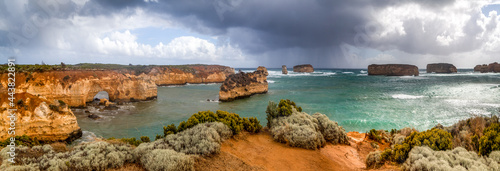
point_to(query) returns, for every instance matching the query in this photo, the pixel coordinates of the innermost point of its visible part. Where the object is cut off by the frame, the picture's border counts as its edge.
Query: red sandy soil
(260, 152)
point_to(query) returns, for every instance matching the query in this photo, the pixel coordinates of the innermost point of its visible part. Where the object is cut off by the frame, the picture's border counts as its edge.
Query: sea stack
(303, 68)
(441, 68)
(393, 70)
(284, 70)
(243, 85)
(493, 67)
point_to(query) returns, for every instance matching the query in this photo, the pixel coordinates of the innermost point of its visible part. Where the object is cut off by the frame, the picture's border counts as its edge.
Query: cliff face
(441, 68)
(493, 67)
(303, 68)
(242, 85)
(393, 70)
(284, 70)
(76, 87)
(37, 117)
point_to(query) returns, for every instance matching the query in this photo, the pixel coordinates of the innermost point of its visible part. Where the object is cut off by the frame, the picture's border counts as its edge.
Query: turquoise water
(356, 101)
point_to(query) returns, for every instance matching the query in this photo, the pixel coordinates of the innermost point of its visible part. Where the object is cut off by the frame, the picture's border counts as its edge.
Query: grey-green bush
(331, 131)
(166, 159)
(373, 160)
(203, 139)
(89, 156)
(298, 130)
(424, 158)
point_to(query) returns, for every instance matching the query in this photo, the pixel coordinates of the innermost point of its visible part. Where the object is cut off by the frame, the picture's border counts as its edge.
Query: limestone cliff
(441, 68)
(243, 85)
(78, 86)
(393, 70)
(481, 68)
(303, 68)
(37, 117)
(284, 70)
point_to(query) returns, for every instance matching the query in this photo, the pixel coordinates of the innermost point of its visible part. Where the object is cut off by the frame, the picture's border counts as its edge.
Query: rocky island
(393, 70)
(441, 68)
(493, 67)
(303, 68)
(243, 85)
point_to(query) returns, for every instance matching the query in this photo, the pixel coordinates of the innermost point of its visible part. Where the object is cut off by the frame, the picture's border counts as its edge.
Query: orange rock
(303, 68)
(243, 85)
(393, 70)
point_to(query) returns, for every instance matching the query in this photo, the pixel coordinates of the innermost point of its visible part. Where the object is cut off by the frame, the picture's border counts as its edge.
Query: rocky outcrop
(303, 68)
(481, 68)
(77, 87)
(243, 85)
(493, 67)
(284, 70)
(393, 70)
(441, 68)
(39, 118)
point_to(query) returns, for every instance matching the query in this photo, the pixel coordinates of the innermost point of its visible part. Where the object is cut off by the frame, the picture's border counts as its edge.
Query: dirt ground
(260, 152)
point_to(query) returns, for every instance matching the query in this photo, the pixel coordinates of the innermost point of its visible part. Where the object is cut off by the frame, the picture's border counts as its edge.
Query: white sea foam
(347, 72)
(363, 72)
(271, 81)
(406, 96)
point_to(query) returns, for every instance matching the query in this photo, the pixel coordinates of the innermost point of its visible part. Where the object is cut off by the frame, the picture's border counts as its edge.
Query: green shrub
(166, 159)
(158, 137)
(386, 155)
(284, 108)
(425, 158)
(170, 129)
(132, 141)
(232, 120)
(298, 130)
(490, 141)
(374, 135)
(23, 140)
(62, 103)
(66, 78)
(145, 139)
(436, 139)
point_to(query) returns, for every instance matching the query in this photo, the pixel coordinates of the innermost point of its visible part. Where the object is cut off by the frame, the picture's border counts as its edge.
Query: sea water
(356, 101)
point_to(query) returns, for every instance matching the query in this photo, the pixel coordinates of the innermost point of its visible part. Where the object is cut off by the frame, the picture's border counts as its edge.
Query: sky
(251, 33)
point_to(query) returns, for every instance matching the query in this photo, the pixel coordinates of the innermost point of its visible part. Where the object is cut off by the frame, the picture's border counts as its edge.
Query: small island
(303, 68)
(441, 68)
(393, 70)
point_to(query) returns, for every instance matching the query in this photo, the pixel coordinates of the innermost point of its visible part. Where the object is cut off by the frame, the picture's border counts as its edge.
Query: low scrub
(374, 160)
(437, 139)
(490, 141)
(89, 156)
(425, 158)
(203, 139)
(466, 133)
(23, 140)
(166, 159)
(302, 130)
(284, 108)
(232, 120)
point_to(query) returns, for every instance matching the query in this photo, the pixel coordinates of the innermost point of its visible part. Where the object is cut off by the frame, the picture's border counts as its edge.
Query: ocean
(356, 101)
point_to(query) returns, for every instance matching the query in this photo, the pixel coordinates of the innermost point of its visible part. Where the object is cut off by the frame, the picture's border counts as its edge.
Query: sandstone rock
(441, 68)
(481, 68)
(393, 70)
(243, 85)
(94, 116)
(37, 117)
(494, 67)
(284, 70)
(303, 68)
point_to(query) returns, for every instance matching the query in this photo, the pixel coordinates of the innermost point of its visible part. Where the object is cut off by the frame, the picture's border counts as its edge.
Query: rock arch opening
(101, 95)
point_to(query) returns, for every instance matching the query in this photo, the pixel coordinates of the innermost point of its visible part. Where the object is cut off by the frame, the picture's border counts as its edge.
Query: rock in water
(393, 70)
(303, 68)
(493, 67)
(283, 69)
(243, 85)
(441, 68)
(40, 118)
(481, 68)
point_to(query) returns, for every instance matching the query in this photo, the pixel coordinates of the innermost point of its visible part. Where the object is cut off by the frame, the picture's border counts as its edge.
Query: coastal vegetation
(289, 125)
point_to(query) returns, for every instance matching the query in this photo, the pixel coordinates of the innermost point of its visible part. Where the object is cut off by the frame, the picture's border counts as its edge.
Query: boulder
(303, 68)
(393, 70)
(243, 85)
(441, 68)
(284, 70)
